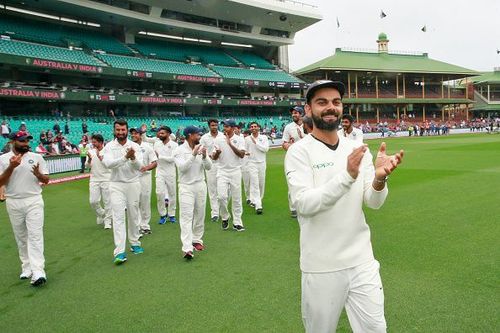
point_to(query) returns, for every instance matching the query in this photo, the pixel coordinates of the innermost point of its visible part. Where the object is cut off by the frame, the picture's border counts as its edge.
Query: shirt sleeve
(152, 156)
(372, 198)
(262, 146)
(310, 200)
(182, 163)
(241, 144)
(286, 134)
(43, 166)
(109, 162)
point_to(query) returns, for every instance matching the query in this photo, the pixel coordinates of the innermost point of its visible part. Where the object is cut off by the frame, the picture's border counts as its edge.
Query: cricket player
(257, 146)
(207, 141)
(149, 163)
(124, 158)
(292, 133)
(228, 152)
(99, 182)
(245, 173)
(191, 160)
(22, 171)
(166, 181)
(330, 179)
(348, 130)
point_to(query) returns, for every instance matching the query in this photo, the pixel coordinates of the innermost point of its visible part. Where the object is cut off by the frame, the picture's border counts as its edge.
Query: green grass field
(434, 237)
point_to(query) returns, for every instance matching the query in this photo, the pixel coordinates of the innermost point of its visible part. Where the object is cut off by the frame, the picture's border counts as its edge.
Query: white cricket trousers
(192, 204)
(359, 289)
(26, 217)
(145, 202)
(245, 175)
(125, 196)
(230, 182)
(211, 176)
(166, 187)
(100, 191)
(257, 172)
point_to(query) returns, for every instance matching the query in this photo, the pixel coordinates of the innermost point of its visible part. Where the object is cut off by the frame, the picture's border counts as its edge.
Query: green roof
(488, 77)
(382, 36)
(384, 62)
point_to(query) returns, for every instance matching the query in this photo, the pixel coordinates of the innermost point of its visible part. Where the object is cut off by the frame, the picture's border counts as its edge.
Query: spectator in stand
(83, 154)
(22, 127)
(40, 149)
(57, 128)
(66, 128)
(5, 129)
(154, 128)
(84, 127)
(85, 138)
(54, 149)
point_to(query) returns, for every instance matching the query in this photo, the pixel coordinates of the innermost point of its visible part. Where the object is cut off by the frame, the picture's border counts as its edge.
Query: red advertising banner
(65, 66)
(160, 100)
(253, 102)
(37, 94)
(192, 78)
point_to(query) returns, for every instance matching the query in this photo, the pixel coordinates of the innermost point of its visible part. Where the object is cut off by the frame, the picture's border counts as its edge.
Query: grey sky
(460, 32)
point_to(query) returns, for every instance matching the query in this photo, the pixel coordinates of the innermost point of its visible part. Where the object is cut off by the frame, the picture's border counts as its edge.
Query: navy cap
(229, 122)
(138, 130)
(299, 109)
(313, 87)
(191, 130)
(20, 136)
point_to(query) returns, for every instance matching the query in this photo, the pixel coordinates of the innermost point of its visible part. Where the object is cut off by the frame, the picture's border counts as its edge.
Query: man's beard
(319, 123)
(196, 142)
(22, 149)
(121, 137)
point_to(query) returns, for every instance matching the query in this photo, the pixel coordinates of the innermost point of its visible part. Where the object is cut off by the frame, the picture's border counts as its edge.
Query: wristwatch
(381, 181)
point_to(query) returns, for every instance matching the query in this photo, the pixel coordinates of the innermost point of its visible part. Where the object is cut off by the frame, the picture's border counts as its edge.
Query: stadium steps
(255, 74)
(249, 59)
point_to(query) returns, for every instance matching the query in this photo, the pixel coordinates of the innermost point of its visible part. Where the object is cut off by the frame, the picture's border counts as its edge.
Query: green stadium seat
(255, 74)
(159, 66)
(250, 59)
(47, 52)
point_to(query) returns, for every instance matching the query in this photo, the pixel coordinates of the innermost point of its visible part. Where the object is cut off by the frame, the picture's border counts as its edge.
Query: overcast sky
(460, 32)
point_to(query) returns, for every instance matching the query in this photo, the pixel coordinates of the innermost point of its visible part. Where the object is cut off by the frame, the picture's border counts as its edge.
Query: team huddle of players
(216, 163)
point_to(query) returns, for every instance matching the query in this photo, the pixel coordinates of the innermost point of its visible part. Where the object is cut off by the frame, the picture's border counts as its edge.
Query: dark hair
(348, 117)
(97, 137)
(308, 122)
(166, 129)
(213, 120)
(253, 122)
(247, 132)
(121, 122)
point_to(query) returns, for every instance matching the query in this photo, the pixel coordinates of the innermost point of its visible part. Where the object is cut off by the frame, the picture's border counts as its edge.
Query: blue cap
(191, 130)
(138, 130)
(230, 122)
(299, 109)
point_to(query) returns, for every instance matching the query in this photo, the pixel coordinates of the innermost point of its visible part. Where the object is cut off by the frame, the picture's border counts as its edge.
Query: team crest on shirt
(234, 141)
(143, 150)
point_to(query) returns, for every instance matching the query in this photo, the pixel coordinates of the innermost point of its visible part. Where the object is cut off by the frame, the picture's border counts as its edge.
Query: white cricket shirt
(355, 135)
(190, 167)
(293, 131)
(165, 153)
(123, 170)
(98, 172)
(23, 183)
(258, 150)
(228, 161)
(148, 155)
(333, 231)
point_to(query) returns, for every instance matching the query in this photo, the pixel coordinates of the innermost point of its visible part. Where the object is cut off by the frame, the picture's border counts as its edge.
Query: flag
(424, 28)
(338, 23)
(382, 14)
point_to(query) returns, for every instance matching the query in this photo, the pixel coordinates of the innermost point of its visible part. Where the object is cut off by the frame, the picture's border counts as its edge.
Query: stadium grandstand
(385, 86)
(85, 60)
(487, 94)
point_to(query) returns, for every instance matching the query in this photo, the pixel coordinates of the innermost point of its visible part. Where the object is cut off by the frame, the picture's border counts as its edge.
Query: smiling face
(296, 116)
(121, 132)
(228, 130)
(346, 125)
(325, 109)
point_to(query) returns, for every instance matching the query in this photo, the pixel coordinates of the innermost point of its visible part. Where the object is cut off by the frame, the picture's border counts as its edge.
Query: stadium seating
(183, 52)
(104, 125)
(160, 66)
(59, 35)
(47, 52)
(250, 59)
(254, 74)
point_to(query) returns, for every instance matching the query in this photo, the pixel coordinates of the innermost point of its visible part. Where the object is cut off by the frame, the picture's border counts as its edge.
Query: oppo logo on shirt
(322, 165)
